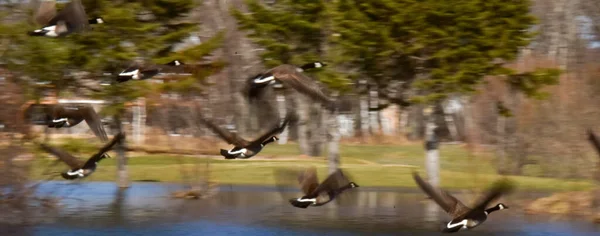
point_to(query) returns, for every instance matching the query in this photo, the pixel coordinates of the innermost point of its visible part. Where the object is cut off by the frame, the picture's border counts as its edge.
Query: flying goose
(80, 169)
(140, 72)
(464, 217)
(290, 76)
(72, 18)
(243, 148)
(67, 115)
(316, 194)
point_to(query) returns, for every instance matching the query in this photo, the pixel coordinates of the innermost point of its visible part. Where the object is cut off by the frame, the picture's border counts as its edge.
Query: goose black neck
(492, 209)
(347, 186)
(308, 66)
(268, 141)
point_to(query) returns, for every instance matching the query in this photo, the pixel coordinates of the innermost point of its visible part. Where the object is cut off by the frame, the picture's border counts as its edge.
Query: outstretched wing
(73, 15)
(229, 137)
(285, 178)
(65, 157)
(275, 130)
(289, 76)
(308, 180)
(100, 154)
(94, 122)
(446, 201)
(332, 182)
(45, 12)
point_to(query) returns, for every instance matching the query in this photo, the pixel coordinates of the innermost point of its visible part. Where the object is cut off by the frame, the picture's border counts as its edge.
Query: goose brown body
(78, 168)
(66, 115)
(293, 77)
(72, 18)
(315, 194)
(464, 217)
(244, 148)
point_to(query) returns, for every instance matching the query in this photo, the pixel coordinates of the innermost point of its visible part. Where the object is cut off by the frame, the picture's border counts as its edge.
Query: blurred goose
(80, 169)
(140, 72)
(316, 194)
(290, 76)
(67, 115)
(243, 148)
(72, 18)
(464, 217)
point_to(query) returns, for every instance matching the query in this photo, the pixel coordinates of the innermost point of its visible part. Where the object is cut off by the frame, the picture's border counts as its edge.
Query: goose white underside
(76, 173)
(264, 80)
(62, 120)
(48, 31)
(463, 223)
(134, 74)
(313, 200)
(241, 151)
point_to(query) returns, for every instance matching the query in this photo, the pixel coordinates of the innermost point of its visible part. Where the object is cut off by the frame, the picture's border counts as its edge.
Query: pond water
(98, 208)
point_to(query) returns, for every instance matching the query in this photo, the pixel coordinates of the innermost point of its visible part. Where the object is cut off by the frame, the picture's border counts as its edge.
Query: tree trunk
(139, 121)
(416, 122)
(373, 114)
(333, 139)
(122, 175)
(364, 115)
(230, 49)
(315, 139)
(282, 105)
(452, 127)
(303, 113)
(432, 159)
(501, 144)
(403, 121)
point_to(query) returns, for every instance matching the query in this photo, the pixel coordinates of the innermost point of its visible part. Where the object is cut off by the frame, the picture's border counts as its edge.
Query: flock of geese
(72, 19)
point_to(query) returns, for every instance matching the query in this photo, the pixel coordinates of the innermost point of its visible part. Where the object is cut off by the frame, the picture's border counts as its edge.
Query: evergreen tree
(441, 48)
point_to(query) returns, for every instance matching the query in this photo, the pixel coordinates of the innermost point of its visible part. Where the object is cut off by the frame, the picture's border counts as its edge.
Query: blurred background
(464, 92)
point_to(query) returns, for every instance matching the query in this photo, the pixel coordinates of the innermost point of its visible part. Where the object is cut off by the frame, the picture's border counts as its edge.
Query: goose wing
(65, 157)
(308, 180)
(334, 181)
(498, 189)
(289, 76)
(229, 137)
(94, 122)
(277, 129)
(107, 147)
(286, 177)
(45, 12)
(594, 140)
(73, 15)
(448, 202)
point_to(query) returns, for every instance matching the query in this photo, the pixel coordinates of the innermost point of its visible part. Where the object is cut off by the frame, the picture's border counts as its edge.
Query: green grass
(368, 165)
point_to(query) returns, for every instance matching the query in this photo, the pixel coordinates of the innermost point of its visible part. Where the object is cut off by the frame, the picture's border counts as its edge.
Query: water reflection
(146, 208)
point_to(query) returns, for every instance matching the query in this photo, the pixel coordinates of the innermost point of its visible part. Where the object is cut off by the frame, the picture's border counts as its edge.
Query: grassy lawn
(367, 165)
